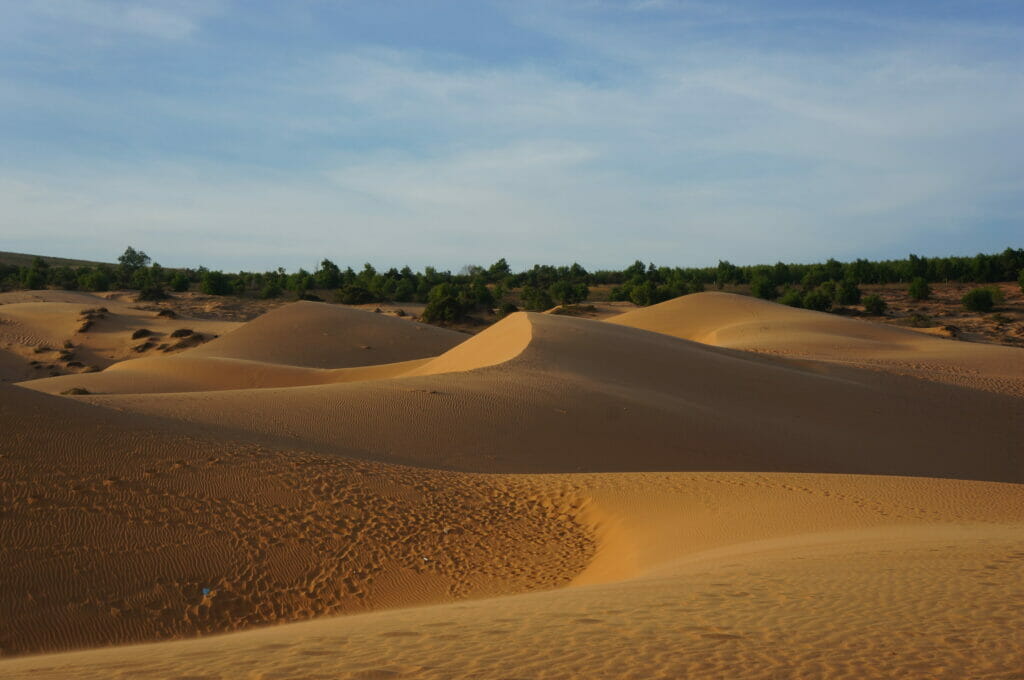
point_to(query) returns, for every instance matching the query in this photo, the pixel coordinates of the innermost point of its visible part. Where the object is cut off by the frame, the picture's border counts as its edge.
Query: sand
(711, 487)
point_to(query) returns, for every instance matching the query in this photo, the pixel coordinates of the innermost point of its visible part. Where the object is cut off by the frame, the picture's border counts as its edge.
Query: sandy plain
(712, 487)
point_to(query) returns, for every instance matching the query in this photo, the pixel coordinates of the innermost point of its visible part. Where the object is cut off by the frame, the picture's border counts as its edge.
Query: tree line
(451, 296)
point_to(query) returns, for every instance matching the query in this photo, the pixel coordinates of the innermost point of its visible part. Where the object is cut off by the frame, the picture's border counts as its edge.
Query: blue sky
(257, 134)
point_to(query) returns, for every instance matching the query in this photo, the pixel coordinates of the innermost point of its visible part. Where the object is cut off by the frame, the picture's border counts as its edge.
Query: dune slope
(319, 335)
(741, 322)
(590, 396)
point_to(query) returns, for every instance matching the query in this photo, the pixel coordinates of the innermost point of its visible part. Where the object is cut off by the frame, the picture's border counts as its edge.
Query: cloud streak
(683, 146)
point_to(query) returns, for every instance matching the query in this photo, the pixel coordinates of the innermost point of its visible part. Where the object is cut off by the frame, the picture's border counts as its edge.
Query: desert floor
(716, 486)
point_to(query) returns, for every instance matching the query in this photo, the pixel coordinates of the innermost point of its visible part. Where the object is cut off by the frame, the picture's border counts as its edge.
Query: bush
(1020, 280)
(847, 293)
(271, 290)
(764, 288)
(96, 280)
(506, 308)
(354, 294)
(443, 305)
(179, 282)
(215, 283)
(792, 297)
(818, 299)
(919, 289)
(874, 305)
(536, 299)
(979, 300)
(152, 292)
(565, 293)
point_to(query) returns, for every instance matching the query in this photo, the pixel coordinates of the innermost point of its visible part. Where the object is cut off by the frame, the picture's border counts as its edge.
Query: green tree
(328, 276)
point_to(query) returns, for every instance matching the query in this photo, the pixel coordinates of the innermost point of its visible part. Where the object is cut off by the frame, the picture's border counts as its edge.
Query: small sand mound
(318, 335)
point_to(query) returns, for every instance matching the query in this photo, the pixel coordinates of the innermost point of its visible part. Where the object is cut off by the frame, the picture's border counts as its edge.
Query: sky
(257, 134)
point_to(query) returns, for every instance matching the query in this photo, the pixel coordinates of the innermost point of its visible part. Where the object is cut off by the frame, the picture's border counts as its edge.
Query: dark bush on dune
(216, 283)
(919, 289)
(847, 293)
(179, 282)
(875, 305)
(979, 300)
(818, 299)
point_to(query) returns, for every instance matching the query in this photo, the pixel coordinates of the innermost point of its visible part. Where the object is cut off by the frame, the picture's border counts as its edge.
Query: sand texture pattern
(711, 487)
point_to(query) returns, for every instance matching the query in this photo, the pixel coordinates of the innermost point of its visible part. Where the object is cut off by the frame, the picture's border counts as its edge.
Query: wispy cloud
(167, 21)
(680, 144)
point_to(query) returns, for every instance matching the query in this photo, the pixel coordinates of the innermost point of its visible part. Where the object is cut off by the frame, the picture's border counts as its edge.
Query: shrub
(215, 283)
(152, 292)
(644, 294)
(979, 300)
(443, 305)
(271, 290)
(354, 294)
(818, 299)
(792, 297)
(1020, 280)
(96, 280)
(875, 305)
(919, 289)
(536, 299)
(506, 308)
(763, 287)
(847, 293)
(565, 293)
(179, 282)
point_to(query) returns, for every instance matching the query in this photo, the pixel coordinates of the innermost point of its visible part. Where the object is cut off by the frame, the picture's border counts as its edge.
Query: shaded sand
(715, 512)
(591, 396)
(747, 323)
(113, 525)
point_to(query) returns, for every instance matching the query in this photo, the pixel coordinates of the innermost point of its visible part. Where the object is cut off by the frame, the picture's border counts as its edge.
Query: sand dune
(591, 396)
(289, 346)
(318, 335)
(741, 322)
(676, 508)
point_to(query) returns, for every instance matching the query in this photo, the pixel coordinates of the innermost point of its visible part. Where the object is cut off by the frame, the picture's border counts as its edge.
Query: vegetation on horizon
(450, 297)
